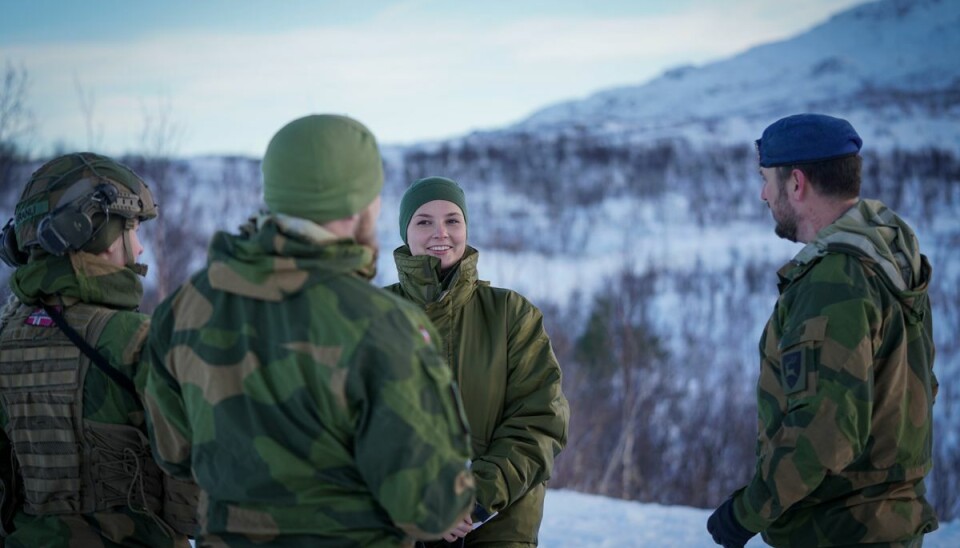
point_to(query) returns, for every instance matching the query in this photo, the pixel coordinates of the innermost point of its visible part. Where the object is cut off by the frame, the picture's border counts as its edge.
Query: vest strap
(94, 356)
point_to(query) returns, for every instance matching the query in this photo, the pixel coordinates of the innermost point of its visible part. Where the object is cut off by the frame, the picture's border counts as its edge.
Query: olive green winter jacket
(846, 391)
(509, 381)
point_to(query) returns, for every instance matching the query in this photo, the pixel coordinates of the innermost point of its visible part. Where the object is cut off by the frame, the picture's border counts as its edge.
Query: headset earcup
(10, 254)
(64, 230)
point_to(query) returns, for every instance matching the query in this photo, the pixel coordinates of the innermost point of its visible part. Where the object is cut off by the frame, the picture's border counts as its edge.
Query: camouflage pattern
(83, 277)
(67, 178)
(312, 408)
(846, 391)
(510, 381)
(77, 276)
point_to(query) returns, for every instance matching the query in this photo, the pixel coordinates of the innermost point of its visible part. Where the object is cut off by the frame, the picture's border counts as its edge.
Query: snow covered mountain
(890, 66)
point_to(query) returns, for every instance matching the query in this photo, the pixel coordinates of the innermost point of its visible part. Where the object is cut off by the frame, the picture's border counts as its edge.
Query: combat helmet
(80, 201)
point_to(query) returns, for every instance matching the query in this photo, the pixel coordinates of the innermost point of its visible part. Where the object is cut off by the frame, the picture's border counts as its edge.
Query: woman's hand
(459, 530)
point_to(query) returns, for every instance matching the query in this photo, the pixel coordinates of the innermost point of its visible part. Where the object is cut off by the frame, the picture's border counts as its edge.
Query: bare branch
(87, 106)
(161, 134)
(16, 119)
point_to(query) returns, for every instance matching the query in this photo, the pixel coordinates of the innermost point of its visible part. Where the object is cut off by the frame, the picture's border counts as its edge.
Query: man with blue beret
(846, 386)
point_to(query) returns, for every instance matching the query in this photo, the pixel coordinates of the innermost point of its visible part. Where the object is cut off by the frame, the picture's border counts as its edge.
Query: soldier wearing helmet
(75, 462)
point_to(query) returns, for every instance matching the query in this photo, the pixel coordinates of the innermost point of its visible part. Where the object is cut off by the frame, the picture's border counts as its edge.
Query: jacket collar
(871, 230)
(422, 283)
(887, 245)
(276, 255)
(79, 276)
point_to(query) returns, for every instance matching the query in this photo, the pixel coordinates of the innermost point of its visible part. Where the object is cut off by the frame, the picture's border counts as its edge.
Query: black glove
(725, 528)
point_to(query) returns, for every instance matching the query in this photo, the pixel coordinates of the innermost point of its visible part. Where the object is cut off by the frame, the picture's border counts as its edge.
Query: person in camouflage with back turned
(312, 407)
(846, 385)
(75, 461)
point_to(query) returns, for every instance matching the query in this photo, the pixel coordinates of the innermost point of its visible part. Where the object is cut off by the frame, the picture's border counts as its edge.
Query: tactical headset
(70, 226)
(10, 254)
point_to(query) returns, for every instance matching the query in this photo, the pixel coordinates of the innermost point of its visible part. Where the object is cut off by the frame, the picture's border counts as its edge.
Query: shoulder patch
(40, 318)
(793, 371)
(424, 333)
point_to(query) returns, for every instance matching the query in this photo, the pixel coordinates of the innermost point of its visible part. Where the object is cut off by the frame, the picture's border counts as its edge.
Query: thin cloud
(418, 79)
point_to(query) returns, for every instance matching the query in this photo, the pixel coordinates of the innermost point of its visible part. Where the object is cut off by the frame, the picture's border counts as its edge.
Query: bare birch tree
(171, 236)
(16, 127)
(88, 103)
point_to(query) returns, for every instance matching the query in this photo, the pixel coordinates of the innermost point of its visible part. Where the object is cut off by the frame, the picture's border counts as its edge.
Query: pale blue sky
(226, 74)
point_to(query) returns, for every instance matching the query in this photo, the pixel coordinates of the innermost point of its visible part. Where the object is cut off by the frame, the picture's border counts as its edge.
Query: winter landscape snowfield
(632, 218)
(577, 520)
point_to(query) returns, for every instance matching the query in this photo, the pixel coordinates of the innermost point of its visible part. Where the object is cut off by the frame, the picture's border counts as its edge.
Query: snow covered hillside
(889, 66)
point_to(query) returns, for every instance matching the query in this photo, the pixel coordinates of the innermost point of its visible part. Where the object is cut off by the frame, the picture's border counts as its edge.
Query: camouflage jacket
(846, 391)
(510, 382)
(82, 277)
(311, 407)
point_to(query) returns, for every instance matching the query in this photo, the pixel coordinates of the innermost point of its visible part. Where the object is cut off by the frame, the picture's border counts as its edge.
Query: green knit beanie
(426, 190)
(321, 167)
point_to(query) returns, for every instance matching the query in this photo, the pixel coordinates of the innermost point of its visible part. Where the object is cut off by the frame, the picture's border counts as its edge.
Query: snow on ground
(577, 520)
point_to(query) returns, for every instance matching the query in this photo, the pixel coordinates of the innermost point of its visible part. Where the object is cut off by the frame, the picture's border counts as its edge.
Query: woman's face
(437, 228)
(117, 252)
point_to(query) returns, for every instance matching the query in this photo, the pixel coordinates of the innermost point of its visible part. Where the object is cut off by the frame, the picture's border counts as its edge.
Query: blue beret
(806, 138)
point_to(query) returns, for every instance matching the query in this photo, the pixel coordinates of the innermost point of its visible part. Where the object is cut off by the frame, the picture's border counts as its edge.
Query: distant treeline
(581, 170)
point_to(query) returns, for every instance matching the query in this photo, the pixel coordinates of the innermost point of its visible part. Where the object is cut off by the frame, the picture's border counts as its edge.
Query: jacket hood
(871, 231)
(278, 255)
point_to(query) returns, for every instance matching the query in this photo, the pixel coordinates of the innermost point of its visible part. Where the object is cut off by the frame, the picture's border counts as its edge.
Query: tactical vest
(68, 464)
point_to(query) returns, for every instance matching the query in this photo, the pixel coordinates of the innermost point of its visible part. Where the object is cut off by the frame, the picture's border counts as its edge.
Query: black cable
(91, 353)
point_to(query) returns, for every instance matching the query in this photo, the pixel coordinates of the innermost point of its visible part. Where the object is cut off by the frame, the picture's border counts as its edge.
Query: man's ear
(798, 186)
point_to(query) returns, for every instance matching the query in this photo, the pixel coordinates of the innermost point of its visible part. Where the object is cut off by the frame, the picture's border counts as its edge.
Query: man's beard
(786, 217)
(366, 233)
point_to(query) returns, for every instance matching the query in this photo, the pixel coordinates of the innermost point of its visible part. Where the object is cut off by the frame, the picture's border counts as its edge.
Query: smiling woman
(438, 225)
(501, 358)
(438, 229)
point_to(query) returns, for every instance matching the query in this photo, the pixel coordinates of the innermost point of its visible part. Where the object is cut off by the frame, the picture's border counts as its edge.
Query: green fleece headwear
(426, 190)
(321, 167)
